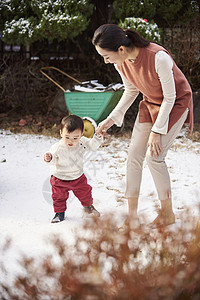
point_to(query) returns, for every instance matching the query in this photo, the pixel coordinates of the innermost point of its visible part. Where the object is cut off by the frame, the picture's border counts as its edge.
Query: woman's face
(111, 57)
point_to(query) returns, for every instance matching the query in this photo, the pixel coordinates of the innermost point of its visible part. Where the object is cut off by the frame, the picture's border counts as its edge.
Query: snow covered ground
(25, 215)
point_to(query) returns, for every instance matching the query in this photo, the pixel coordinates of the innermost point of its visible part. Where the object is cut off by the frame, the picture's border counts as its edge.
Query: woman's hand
(154, 144)
(104, 126)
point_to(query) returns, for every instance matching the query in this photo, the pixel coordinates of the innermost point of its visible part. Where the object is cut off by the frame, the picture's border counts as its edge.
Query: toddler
(66, 166)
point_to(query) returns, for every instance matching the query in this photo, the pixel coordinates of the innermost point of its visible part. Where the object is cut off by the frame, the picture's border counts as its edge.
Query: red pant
(60, 192)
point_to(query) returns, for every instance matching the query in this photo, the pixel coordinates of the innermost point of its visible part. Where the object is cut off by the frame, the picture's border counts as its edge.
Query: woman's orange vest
(142, 74)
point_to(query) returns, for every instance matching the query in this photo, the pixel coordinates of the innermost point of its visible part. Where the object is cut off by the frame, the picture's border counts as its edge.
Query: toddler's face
(71, 138)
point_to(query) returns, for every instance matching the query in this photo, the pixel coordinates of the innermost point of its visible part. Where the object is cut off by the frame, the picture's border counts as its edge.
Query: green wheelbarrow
(93, 107)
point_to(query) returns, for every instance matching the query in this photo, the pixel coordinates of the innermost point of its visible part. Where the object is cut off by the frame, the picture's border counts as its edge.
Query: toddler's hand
(104, 126)
(48, 157)
(99, 135)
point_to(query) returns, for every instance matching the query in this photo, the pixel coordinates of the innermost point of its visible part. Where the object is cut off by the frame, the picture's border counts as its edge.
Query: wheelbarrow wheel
(89, 127)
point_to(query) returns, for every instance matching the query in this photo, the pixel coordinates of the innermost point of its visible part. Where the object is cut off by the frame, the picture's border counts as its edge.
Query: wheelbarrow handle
(54, 68)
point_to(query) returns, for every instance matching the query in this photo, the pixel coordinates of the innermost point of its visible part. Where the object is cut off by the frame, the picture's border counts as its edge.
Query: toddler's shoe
(58, 217)
(91, 210)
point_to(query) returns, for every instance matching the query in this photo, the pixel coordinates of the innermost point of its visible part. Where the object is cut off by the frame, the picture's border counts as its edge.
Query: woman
(148, 68)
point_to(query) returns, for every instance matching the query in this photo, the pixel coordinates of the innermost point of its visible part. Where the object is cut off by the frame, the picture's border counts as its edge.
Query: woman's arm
(128, 97)
(117, 115)
(163, 65)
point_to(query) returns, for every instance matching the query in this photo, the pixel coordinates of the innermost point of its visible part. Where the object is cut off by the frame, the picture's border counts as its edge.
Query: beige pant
(136, 155)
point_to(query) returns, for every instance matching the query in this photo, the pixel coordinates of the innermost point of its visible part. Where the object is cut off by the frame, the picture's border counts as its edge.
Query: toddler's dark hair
(72, 122)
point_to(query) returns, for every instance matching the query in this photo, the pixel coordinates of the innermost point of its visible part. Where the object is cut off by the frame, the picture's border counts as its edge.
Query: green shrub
(148, 30)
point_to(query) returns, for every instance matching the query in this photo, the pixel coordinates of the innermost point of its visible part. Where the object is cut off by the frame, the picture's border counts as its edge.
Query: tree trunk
(102, 13)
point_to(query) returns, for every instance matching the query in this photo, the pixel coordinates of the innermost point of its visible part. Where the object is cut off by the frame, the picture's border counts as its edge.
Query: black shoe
(58, 217)
(91, 210)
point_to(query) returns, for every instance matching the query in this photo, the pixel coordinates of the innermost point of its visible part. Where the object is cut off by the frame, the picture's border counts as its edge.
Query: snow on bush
(29, 21)
(148, 30)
